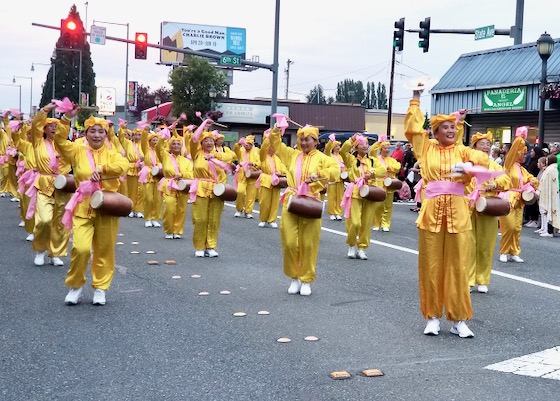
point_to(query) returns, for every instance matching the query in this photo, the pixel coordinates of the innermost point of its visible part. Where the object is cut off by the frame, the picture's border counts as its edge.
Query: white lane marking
(544, 364)
(415, 252)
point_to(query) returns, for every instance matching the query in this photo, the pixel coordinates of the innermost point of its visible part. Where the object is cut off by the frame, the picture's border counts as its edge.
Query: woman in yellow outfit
(384, 210)
(175, 167)
(335, 189)
(521, 180)
(358, 211)
(152, 196)
(8, 180)
(50, 236)
(93, 165)
(444, 222)
(209, 169)
(484, 227)
(309, 170)
(249, 159)
(135, 157)
(269, 193)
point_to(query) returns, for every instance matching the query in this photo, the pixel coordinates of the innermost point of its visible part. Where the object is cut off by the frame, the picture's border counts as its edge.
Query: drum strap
(53, 163)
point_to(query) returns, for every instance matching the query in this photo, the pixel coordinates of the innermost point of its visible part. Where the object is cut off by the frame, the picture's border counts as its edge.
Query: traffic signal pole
(390, 103)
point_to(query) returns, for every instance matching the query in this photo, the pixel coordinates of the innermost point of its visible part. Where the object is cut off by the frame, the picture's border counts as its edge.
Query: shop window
(501, 135)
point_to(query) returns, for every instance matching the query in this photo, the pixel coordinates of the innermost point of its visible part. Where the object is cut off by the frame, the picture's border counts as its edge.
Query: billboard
(217, 40)
(106, 101)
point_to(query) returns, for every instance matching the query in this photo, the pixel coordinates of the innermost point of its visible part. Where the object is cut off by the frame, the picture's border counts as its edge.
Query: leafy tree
(316, 96)
(349, 91)
(381, 96)
(191, 85)
(371, 97)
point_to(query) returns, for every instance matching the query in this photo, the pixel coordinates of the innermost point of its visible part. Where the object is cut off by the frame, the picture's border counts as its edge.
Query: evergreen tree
(381, 96)
(316, 95)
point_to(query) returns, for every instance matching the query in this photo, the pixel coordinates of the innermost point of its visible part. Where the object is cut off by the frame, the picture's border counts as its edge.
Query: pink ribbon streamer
(20, 164)
(346, 202)
(10, 151)
(62, 106)
(53, 162)
(4, 159)
(85, 188)
(143, 175)
(418, 190)
(31, 193)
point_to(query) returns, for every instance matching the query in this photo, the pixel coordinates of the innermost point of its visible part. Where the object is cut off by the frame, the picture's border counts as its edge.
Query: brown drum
(252, 174)
(184, 185)
(493, 206)
(304, 206)
(373, 193)
(225, 192)
(344, 176)
(65, 183)
(157, 172)
(529, 197)
(392, 183)
(282, 182)
(111, 203)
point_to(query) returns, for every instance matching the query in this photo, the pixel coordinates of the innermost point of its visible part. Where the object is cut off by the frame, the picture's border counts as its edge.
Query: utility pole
(390, 103)
(287, 71)
(517, 29)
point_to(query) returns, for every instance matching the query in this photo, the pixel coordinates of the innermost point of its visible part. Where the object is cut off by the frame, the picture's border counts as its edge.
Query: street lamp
(212, 92)
(19, 86)
(157, 102)
(30, 94)
(545, 47)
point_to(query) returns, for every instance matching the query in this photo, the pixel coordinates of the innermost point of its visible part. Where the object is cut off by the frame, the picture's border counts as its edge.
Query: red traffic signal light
(424, 34)
(398, 35)
(71, 33)
(141, 45)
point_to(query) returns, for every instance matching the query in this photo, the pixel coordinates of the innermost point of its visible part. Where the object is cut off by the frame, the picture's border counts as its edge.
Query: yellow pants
(269, 201)
(174, 212)
(335, 192)
(50, 234)
(511, 226)
(8, 182)
(100, 235)
(135, 193)
(483, 241)
(206, 216)
(300, 238)
(246, 195)
(383, 212)
(29, 224)
(358, 224)
(123, 188)
(152, 201)
(443, 274)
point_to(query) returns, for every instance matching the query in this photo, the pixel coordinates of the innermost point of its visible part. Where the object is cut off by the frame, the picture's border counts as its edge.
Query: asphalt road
(158, 339)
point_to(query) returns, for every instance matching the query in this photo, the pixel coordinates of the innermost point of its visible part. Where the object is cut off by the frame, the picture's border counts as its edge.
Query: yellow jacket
(358, 166)
(266, 165)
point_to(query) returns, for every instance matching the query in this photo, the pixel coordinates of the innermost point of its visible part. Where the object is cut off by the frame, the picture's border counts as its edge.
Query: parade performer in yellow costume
(175, 167)
(443, 222)
(152, 197)
(335, 189)
(8, 158)
(309, 170)
(484, 227)
(358, 212)
(521, 180)
(383, 212)
(209, 169)
(95, 167)
(135, 157)
(249, 159)
(220, 147)
(267, 183)
(51, 237)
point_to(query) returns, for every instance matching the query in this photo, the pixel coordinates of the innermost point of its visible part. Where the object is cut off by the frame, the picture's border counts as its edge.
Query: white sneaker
(333, 217)
(21, 224)
(249, 216)
(237, 214)
(516, 259)
(546, 234)
(177, 236)
(148, 223)
(294, 287)
(40, 258)
(131, 214)
(262, 224)
(140, 215)
(98, 297)
(73, 296)
(156, 223)
(532, 223)
(361, 254)
(461, 329)
(504, 257)
(212, 253)
(483, 289)
(375, 228)
(351, 252)
(386, 229)
(339, 218)
(56, 261)
(30, 237)
(199, 254)
(539, 231)
(305, 289)
(14, 199)
(273, 225)
(168, 236)
(432, 327)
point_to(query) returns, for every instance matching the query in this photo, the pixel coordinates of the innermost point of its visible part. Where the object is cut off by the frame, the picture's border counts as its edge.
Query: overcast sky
(327, 41)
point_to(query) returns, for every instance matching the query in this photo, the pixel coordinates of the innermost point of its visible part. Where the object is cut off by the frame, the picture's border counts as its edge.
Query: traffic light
(71, 33)
(424, 34)
(141, 45)
(398, 35)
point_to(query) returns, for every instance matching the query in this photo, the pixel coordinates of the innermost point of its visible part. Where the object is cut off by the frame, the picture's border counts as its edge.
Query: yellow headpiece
(52, 121)
(436, 120)
(91, 121)
(478, 136)
(206, 134)
(308, 130)
(217, 135)
(250, 139)
(173, 139)
(152, 135)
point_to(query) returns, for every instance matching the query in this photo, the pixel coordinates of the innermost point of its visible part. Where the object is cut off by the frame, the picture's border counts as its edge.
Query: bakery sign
(504, 99)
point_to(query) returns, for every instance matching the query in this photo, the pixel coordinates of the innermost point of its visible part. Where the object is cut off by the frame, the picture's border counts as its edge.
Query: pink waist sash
(436, 188)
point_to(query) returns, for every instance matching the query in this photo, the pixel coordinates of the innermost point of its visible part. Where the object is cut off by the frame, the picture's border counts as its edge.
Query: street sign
(97, 35)
(484, 33)
(230, 60)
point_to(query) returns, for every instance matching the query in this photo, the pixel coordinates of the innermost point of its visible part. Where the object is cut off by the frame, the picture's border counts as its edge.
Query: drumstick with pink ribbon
(199, 115)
